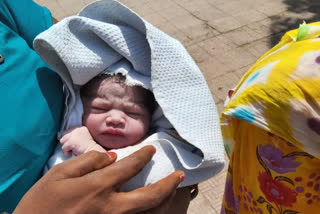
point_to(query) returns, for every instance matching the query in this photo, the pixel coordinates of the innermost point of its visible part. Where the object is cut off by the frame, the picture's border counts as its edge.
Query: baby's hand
(78, 141)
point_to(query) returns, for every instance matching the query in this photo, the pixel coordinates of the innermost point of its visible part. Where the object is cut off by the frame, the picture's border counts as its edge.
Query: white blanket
(80, 47)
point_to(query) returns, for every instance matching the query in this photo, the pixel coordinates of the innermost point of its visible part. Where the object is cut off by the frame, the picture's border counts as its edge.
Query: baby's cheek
(139, 128)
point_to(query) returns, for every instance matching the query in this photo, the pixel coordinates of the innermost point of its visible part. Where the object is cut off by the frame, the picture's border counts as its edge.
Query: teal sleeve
(31, 101)
(25, 17)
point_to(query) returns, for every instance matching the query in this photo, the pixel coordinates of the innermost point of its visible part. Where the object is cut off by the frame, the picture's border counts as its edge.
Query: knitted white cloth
(80, 47)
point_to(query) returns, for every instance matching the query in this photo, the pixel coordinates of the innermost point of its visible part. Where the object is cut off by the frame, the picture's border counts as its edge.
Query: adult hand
(89, 183)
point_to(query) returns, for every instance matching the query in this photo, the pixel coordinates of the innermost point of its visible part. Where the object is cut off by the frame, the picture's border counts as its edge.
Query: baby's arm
(78, 141)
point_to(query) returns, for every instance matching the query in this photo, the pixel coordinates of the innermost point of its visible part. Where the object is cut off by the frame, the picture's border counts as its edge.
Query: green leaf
(227, 148)
(303, 31)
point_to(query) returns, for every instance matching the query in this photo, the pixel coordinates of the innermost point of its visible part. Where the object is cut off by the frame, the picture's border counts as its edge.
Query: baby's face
(116, 117)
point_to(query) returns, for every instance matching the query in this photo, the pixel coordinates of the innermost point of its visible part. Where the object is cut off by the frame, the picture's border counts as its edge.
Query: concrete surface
(225, 37)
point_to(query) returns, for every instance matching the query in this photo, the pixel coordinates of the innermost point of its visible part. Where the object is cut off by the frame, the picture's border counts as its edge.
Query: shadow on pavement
(297, 12)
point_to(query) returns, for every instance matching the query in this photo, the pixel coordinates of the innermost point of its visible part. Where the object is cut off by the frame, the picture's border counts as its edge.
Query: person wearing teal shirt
(32, 100)
(30, 111)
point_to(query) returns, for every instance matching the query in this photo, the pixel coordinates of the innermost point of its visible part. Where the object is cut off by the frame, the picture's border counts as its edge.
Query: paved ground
(225, 37)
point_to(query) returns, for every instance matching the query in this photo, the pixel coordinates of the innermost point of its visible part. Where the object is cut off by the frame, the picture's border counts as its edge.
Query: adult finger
(152, 196)
(83, 164)
(129, 166)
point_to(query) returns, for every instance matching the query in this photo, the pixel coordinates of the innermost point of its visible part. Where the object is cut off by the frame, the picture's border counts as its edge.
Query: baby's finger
(66, 149)
(65, 138)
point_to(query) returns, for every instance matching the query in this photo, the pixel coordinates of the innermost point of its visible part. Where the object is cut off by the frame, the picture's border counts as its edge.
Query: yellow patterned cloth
(271, 129)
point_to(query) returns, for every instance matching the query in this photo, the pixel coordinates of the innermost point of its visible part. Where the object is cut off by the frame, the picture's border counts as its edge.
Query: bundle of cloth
(271, 130)
(106, 36)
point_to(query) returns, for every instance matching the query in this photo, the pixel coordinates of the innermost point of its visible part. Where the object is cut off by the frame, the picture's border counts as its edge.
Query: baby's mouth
(113, 131)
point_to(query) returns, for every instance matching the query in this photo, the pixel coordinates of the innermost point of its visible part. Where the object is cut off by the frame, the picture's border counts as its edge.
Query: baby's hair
(87, 89)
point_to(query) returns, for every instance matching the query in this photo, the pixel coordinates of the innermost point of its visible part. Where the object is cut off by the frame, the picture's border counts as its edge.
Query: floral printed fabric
(271, 129)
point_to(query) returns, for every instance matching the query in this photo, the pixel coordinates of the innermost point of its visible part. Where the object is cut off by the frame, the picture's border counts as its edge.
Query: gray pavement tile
(225, 24)
(155, 19)
(194, 28)
(258, 48)
(201, 205)
(222, 84)
(249, 16)
(241, 71)
(233, 6)
(235, 58)
(133, 3)
(71, 7)
(202, 9)
(302, 15)
(220, 106)
(161, 5)
(198, 53)
(173, 31)
(261, 27)
(207, 13)
(217, 44)
(174, 11)
(271, 8)
(143, 10)
(212, 68)
(244, 35)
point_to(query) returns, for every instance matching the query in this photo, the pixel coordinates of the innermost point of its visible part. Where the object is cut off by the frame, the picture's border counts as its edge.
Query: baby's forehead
(113, 89)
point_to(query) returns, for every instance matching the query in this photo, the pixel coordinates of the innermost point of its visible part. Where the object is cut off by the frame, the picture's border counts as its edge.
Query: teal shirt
(31, 101)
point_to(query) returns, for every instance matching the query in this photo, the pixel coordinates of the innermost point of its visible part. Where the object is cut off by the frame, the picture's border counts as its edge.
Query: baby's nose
(115, 119)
